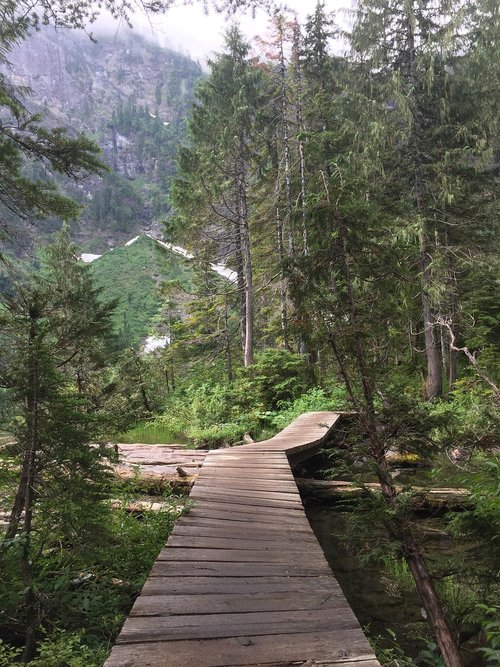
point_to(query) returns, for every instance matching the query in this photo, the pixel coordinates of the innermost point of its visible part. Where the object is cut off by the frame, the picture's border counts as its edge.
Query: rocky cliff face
(131, 96)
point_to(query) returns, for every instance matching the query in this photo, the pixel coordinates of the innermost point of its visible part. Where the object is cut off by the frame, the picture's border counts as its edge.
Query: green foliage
(277, 376)
(85, 595)
(313, 400)
(161, 430)
(469, 417)
(68, 649)
(490, 623)
(483, 522)
(392, 655)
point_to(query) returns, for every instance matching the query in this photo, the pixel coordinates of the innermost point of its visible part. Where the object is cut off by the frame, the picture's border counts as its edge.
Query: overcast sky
(189, 30)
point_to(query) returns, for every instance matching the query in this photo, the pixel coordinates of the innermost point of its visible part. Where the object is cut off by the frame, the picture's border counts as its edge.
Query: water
(376, 600)
(367, 588)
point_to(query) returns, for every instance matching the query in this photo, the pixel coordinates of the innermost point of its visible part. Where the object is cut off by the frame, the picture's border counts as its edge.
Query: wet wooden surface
(242, 579)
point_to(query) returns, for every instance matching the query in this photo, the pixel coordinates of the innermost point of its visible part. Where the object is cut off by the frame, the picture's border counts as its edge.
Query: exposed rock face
(131, 96)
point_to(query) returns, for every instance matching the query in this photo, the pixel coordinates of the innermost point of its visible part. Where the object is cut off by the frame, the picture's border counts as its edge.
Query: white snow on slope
(223, 271)
(88, 257)
(153, 343)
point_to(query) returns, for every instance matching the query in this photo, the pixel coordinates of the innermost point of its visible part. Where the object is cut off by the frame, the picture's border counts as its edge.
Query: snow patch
(175, 248)
(88, 257)
(153, 343)
(218, 268)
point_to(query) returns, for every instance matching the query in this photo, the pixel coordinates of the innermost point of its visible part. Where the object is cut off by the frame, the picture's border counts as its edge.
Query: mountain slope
(129, 95)
(132, 274)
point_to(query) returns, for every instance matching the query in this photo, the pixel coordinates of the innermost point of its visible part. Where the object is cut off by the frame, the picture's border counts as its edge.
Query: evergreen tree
(409, 58)
(214, 171)
(52, 326)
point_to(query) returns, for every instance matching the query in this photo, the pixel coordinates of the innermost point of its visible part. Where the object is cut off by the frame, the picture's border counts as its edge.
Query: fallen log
(141, 506)
(154, 468)
(423, 497)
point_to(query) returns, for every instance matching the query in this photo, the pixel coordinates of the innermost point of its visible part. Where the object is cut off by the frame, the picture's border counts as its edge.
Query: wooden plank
(201, 490)
(219, 512)
(258, 508)
(250, 624)
(204, 542)
(162, 605)
(271, 493)
(201, 529)
(259, 530)
(207, 585)
(345, 647)
(246, 501)
(275, 555)
(245, 482)
(200, 568)
(218, 476)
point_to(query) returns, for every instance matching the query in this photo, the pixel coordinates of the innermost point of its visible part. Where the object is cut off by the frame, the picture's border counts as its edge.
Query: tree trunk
(433, 387)
(247, 265)
(434, 377)
(300, 125)
(283, 278)
(286, 144)
(240, 280)
(431, 602)
(227, 343)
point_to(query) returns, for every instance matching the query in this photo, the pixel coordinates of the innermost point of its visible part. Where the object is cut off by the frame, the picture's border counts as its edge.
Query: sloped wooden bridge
(242, 579)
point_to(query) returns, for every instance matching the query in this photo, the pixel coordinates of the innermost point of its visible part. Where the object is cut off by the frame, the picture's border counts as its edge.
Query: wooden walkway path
(243, 580)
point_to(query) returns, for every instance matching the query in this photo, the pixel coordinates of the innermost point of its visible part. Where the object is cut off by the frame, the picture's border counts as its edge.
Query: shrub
(276, 377)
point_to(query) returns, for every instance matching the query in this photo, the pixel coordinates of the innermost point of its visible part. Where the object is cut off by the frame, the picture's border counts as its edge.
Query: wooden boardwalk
(242, 579)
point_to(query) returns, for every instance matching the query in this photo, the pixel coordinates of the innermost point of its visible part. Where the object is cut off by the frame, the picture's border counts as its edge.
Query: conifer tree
(214, 171)
(51, 324)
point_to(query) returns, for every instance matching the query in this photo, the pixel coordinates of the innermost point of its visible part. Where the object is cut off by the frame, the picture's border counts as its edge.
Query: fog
(197, 34)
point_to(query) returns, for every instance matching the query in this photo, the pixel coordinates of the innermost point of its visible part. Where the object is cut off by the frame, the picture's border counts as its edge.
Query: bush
(276, 377)
(314, 400)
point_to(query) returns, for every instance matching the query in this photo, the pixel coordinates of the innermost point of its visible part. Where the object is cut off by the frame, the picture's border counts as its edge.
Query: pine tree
(408, 58)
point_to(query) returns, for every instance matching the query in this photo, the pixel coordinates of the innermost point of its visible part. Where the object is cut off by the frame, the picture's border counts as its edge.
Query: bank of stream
(384, 601)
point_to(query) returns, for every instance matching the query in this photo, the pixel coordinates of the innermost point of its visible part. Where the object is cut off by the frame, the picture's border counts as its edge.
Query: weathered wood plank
(207, 528)
(275, 555)
(331, 648)
(239, 501)
(245, 569)
(207, 585)
(242, 543)
(245, 482)
(162, 605)
(257, 508)
(250, 624)
(232, 492)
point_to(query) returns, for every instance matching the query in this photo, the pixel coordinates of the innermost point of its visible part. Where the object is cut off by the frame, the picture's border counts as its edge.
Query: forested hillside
(353, 200)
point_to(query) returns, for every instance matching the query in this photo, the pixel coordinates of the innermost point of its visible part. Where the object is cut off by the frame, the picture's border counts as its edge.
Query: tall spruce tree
(211, 193)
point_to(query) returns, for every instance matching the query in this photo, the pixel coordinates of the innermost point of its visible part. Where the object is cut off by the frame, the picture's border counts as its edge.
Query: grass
(154, 432)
